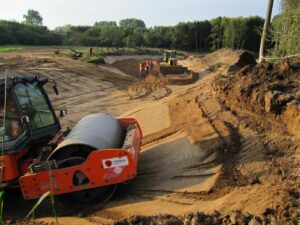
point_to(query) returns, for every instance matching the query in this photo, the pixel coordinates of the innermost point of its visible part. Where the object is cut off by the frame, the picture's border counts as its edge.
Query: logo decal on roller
(115, 162)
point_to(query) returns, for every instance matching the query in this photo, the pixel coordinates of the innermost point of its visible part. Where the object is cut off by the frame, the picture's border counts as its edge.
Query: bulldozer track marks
(153, 86)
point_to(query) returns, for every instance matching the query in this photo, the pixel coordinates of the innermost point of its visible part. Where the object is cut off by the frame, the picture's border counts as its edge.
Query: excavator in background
(85, 165)
(169, 64)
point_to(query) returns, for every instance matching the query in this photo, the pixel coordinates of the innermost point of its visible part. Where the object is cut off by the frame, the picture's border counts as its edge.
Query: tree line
(12, 32)
(200, 36)
(191, 36)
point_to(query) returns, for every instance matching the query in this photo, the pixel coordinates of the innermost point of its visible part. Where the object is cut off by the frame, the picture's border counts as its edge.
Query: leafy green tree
(202, 32)
(160, 37)
(105, 24)
(234, 32)
(253, 34)
(63, 29)
(286, 29)
(110, 37)
(216, 35)
(132, 23)
(181, 32)
(33, 17)
(12, 32)
(92, 36)
(237, 33)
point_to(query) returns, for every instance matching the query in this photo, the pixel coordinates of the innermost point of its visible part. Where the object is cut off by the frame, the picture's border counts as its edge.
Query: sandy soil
(198, 153)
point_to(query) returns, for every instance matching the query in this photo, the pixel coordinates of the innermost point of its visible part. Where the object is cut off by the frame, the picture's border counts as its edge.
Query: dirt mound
(230, 57)
(214, 60)
(269, 89)
(195, 64)
(130, 66)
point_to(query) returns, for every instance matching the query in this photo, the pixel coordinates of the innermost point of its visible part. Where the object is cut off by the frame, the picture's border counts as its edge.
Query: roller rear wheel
(95, 195)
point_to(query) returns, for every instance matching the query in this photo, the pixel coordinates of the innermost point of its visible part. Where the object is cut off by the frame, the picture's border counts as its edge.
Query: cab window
(12, 123)
(34, 104)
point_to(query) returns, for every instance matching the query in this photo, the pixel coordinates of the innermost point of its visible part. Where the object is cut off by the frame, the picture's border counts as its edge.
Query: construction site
(220, 139)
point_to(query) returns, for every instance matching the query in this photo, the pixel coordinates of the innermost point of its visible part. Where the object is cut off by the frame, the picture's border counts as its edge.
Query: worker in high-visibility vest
(147, 66)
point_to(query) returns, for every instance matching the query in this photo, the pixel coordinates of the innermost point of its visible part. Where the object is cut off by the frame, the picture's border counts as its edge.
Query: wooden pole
(265, 29)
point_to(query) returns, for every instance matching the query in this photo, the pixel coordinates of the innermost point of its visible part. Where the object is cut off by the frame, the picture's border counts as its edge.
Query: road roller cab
(29, 116)
(27, 122)
(87, 164)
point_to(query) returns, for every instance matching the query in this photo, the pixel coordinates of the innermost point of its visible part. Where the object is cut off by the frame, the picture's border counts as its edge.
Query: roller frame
(123, 168)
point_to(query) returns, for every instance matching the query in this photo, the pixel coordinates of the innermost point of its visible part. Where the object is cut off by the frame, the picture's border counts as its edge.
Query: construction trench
(219, 147)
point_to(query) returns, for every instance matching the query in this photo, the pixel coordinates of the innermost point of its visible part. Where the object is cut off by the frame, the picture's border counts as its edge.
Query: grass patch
(8, 49)
(97, 59)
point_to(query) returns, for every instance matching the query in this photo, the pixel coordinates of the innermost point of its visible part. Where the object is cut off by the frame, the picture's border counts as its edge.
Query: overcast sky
(153, 12)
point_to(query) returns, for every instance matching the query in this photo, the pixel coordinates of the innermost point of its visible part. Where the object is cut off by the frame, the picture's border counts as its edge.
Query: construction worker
(13, 128)
(16, 129)
(141, 69)
(147, 66)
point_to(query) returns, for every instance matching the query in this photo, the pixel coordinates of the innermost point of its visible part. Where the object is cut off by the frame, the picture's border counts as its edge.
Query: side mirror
(25, 119)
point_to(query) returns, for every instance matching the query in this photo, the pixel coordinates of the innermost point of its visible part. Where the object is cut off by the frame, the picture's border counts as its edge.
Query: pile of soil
(230, 57)
(221, 57)
(267, 99)
(269, 89)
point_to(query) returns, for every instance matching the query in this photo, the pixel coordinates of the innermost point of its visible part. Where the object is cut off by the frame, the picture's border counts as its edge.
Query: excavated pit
(209, 146)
